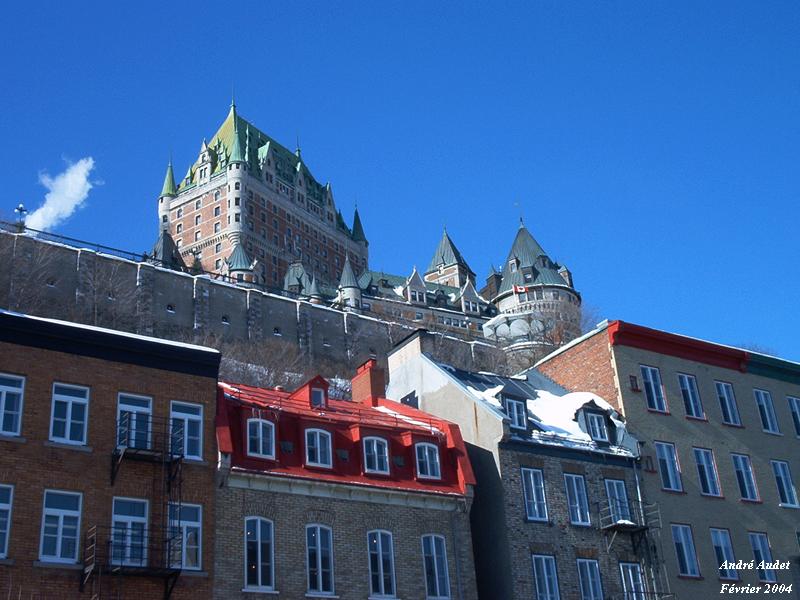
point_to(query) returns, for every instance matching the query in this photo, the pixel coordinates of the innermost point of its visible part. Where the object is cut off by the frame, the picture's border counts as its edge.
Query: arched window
(318, 448)
(376, 455)
(319, 559)
(260, 438)
(428, 461)
(259, 566)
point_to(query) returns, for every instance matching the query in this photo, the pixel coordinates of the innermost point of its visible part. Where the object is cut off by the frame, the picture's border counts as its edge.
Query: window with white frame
(589, 579)
(318, 448)
(723, 550)
(668, 467)
(186, 524)
(545, 577)
(766, 411)
(783, 479)
(434, 557)
(6, 500)
(633, 587)
(70, 412)
(653, 389)
(619, 507)
(186, 426)
(762, 552)
(691, 396)
(319, 553)
(744, 477)
(129, 532)
(260, 438)
(727, 403)
(707, 472)
(794, 408)
(376, 455)
(428, 461)
(134, 419)
(12, 389)
(517, 413)
(597, 427)
(61, 525)
(577, 500)
(380, 550)
(533, 491)
(684, 550)
(259, 565)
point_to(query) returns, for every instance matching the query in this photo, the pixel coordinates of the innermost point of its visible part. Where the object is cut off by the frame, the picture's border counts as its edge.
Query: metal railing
(132, 548)
(631, 514)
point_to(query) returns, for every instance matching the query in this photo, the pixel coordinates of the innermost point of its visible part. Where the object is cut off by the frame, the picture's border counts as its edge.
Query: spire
(446, 254)
(168, 189)
(166, 254)
(313, 291)
(348, 279)
(236, 150)
(358, 229)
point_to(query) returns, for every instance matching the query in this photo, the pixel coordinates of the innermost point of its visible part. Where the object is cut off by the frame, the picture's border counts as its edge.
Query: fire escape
(640, 523)
(141, 545)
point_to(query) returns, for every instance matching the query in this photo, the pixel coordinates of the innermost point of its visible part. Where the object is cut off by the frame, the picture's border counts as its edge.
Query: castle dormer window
(596, 424)
(513, 265)
(515, 409)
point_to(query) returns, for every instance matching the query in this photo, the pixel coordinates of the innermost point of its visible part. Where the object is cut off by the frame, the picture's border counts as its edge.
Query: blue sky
(652, 147)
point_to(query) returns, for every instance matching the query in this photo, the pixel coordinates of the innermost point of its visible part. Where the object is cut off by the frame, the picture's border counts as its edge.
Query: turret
(314, 294)
(240, 267)
(237, 167)
(349, 290)
(168, 192)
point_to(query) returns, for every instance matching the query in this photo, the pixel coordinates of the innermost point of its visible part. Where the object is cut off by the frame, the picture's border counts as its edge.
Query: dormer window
(376, 455)
(428, 461)
(260, 438)
(597, 427)
(513, 265)
(517, 413)
(318, 397)
(318, 448)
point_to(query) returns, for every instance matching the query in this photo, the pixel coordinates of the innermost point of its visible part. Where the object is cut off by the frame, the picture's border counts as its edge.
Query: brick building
(108, 455)
(558, 511)
(321, 497)
(721, 434)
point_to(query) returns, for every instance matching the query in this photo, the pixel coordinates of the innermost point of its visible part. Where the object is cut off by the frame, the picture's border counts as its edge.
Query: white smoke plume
(66, 193)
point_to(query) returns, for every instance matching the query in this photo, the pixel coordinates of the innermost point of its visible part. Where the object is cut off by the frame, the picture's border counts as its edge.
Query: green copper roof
(168, 189)
(528, 258)
(313, 291)
(348, 279)
(358, 229)
(166, 254)
(238, 260)
(447, 254)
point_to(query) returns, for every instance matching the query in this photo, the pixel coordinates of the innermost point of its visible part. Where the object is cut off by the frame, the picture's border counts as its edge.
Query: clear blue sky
(653, 147)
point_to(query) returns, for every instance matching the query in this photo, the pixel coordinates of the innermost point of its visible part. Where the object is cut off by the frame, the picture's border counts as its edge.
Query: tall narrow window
(597, 427)
(258, 562)
(260, 438)
(633, 587)
(668, 467)
(133, 421)
(653, 389)
(517, 413)
(766, 411)
(744, 477)
(619, 507)
(434, 557)
(11, 392)
(129, 532)
(186, 539)
(727, 403)
(376, 455)
(684, 550)
(723, 550)
(533, 491)
(318, 448)
(762, 552)
(319, 552)
(61, 525)
(783, 479)
(6, 498)
(707, 472)
(69, 417)
(794, 408)
(589, 579)
(577, 499)
(545, 577)
(186, 424)
(381, 564)
(691, 396)
(428, 461)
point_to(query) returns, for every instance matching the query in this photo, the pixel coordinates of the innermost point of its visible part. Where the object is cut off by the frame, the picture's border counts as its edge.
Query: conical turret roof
(348, 279)
(313, 291)
(237, 154)
(238, 260)
(358, 229)
(169, 189)
(166, 254)
(528, 257)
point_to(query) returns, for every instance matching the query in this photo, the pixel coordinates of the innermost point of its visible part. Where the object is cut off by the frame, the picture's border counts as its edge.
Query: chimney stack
(369, 384)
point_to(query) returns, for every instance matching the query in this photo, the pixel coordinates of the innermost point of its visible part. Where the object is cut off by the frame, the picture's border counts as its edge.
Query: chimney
(369, 384)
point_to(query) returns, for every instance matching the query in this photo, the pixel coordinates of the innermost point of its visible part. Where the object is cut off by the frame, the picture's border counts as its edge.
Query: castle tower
(447, 266)
(237, 171)
(168, 192)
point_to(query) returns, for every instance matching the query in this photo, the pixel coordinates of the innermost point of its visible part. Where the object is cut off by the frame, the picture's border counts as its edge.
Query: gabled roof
(447, 254)
(238, 259)
(348, 279)
(166, 254)
(415, 281)
(168, 189)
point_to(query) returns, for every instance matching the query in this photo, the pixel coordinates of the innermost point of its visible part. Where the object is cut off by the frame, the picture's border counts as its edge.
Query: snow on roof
(410, 420)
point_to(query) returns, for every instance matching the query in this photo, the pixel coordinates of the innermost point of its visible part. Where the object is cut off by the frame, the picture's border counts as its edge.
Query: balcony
(142, 437)
(630, 517)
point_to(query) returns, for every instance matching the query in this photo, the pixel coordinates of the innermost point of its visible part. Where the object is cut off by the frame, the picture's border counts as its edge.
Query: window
(727, 403)
(653, 389)
(434, 558)
(318, 397)
(179, 228)
(691, 396)
(217, 228)
(707, 472)
(545, 577)
(684, 549)
(129, 532)
(6, 498)
(794, 408)
(759, 542)
(517, 413)
(196, 235)
(216, 214)
(186, 427)
(589, 577)
(533, 492)
(376, 455)
(632, 583)
(68, 422)
(597, 427)
(197, 220)
(668, 467)
(428, 461)
(133, 421)
(319, 553)
(766, 410)
(187, 527)
(61, 524)
(381, 564)
(260, 438)
(576, 499)
(11, 391)
(619, 507)
(723, 550)
(783, 478)
(744, 477)
(258, 562)
(318, 448)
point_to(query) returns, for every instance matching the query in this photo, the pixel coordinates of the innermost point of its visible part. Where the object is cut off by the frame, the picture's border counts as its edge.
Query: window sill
(667, 491)
(581, 525)
(701, 419)
(539, 521)
(691, 577)
(195, 461)
(666, 413)
(7, 437)
(260, 591)
(193, 573)
(57, 565)
(735, 426)
(65, 446)
(320, 595)
(794, 506)
(751, 501)
(713, 496)
(7, 562)
(772, 432)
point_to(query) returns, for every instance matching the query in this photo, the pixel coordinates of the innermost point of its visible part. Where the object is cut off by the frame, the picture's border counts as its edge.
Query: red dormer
(314, 393)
